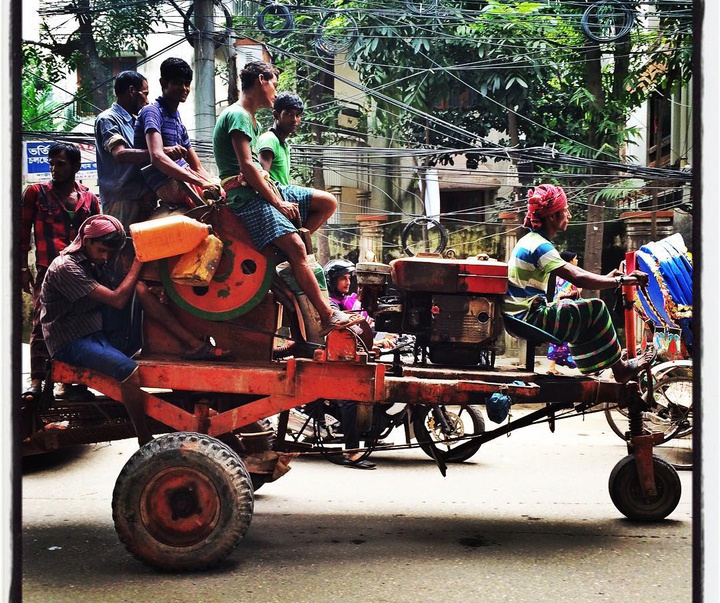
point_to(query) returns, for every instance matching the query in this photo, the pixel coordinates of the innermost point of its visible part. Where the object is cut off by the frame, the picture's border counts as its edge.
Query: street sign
(36, 167)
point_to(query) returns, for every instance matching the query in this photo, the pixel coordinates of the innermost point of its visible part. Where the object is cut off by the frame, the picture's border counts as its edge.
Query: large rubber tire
(625, 491)
(466, 420)
(182, 502)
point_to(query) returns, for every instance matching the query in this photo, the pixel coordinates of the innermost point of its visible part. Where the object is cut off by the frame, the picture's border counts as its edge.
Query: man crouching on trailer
(73, 297)
(585, 324)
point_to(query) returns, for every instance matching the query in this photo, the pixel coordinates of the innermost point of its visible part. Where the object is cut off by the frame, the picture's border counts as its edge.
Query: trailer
(185, 500)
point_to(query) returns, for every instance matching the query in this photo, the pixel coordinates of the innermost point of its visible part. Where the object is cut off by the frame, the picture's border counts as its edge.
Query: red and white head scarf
(543, 201)
(92, 228)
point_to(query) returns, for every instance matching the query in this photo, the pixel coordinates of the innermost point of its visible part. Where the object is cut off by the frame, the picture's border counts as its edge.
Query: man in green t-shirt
(272, 146)
(272, 214)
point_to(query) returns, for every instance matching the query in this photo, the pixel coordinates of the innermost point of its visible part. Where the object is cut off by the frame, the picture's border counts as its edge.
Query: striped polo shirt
(161, 118)
(531, 262)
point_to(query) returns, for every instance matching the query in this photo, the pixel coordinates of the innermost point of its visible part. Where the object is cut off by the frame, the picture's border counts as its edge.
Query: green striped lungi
(587, 327)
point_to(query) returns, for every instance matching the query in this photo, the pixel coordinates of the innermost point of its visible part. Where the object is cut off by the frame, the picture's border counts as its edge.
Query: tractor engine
(451, 306)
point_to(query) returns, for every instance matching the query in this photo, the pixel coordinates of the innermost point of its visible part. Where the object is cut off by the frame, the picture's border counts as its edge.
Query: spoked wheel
(628, 497)
(674, 399)
(443, 431)
(182, 502)
(670, 412)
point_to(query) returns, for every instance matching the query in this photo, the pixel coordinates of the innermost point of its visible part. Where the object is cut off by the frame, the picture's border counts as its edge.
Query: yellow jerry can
(197, 266)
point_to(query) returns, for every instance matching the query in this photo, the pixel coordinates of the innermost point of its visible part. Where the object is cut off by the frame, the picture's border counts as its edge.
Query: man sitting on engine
(75, 295)
(585, 324)
(272, 214)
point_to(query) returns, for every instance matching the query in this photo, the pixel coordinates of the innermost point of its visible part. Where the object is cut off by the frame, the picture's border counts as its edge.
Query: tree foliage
(524, 68)
(98, 31)
(39, 110)
(442, 75)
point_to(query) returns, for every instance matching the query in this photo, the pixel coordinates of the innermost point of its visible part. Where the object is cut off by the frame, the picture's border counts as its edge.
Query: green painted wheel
(240, 283)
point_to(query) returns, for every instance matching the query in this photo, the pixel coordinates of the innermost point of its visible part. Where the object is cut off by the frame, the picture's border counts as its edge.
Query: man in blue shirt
(123, 191)
(159, 126)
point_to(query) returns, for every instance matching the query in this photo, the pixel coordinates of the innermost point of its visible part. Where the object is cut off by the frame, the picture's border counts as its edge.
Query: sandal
(32, 393)
(339, 320)
(208, 352)
(358, 464)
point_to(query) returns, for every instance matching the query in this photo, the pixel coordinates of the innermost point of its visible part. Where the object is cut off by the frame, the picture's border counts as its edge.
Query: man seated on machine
(73, 297)
(159, 130)
(585, 324)
(272, 214)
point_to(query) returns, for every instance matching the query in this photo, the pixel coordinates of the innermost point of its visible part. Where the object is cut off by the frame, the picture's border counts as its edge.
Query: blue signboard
(36, 167)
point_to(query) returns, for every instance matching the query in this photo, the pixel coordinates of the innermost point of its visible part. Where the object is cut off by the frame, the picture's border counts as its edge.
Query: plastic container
(166, 237)
(197, 266)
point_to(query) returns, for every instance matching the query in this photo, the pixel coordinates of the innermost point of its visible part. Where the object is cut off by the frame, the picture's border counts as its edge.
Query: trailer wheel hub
(180, 506)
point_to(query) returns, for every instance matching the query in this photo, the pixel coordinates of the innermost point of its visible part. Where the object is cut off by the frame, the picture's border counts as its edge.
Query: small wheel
(182, 502)
(626, 494)
(447, 439)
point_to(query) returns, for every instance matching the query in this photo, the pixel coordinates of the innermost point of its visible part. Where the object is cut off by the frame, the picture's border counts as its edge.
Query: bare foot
(625, 371)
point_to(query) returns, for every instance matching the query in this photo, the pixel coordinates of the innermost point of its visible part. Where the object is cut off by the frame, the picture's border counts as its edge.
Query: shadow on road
(70, 552)
(55, 459)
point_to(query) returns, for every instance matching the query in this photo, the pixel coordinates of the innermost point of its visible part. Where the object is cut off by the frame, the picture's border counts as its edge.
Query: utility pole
(204, 69)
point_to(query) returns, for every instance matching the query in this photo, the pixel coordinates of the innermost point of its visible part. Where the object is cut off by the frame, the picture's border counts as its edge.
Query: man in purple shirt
(159, 126)
(123, 190)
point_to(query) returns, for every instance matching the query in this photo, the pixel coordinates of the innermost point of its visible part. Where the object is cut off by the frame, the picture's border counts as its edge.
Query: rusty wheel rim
(180, 506)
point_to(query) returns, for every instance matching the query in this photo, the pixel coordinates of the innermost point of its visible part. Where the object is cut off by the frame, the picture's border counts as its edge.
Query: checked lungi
(264, 223)
(586, 325)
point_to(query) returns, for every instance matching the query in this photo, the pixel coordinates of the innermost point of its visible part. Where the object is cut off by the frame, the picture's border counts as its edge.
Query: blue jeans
(95, 352)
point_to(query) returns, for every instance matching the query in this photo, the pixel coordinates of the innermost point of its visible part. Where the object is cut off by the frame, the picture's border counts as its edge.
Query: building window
(659, 122)
(465, 207)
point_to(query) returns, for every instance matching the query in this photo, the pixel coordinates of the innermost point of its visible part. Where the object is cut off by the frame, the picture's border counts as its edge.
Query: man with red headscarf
(75, 293)
(585, 324)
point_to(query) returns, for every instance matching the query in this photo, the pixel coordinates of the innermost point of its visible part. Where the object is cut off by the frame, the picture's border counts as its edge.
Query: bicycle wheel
(671, 413)
(450, 441)
(671, 381)
(674, 405)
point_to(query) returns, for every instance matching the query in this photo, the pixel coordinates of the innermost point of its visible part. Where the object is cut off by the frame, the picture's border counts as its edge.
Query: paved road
(529, 519)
